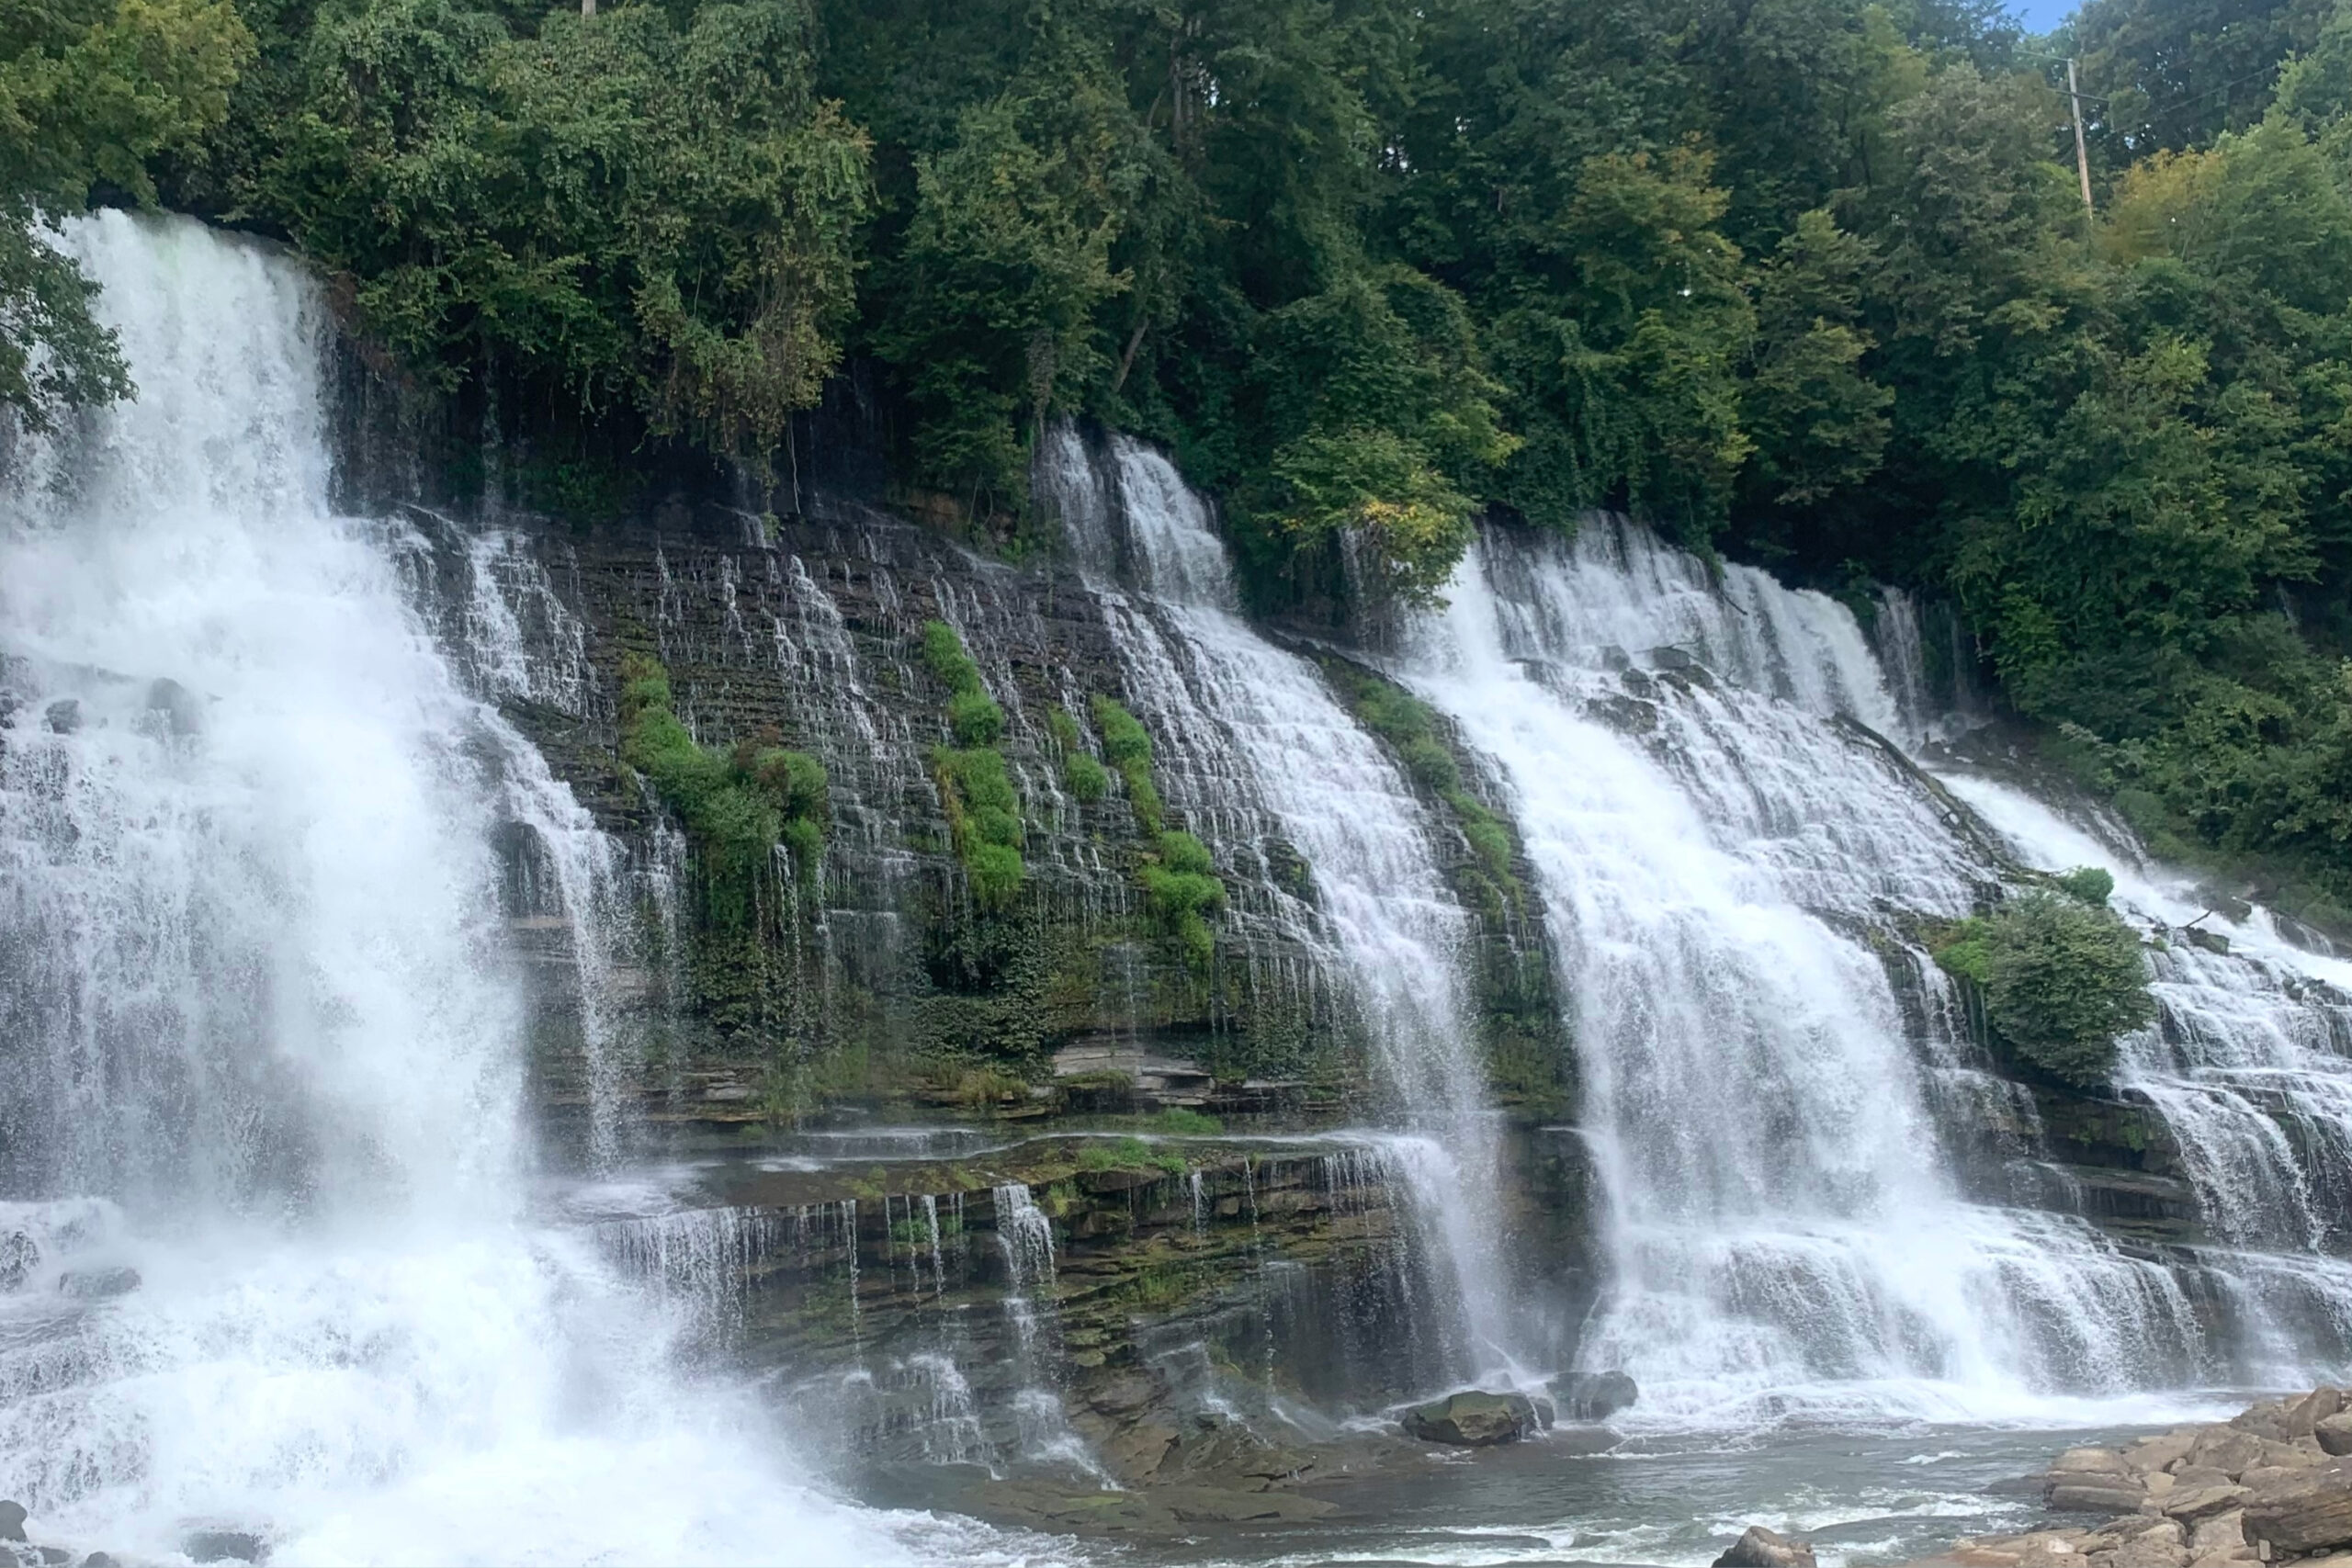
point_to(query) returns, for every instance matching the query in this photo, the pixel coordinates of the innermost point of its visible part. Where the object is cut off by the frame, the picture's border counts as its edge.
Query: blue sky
(2041, 15)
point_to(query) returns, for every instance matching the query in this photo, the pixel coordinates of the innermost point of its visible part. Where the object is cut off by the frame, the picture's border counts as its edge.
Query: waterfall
(262, 1089)
(1254, 745)
(1731, 856)
(2249, 1064)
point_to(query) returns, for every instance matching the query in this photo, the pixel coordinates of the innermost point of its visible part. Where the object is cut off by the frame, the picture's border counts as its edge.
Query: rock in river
(1760, 1547)
(1473, 1419)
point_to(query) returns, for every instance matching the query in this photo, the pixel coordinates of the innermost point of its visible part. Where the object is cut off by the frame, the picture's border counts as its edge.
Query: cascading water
(1724, 859)
(2249, 1064)
(1249, 735)
(263, 1051)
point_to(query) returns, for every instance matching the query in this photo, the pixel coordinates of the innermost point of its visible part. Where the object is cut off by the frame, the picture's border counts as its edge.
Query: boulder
(1760, 1547)
(98, 1560)
(11, 1521)
(2334, 1432)
(2304, 1415)
(1472, 1420)
(2189, 1504)
(223, 1546)
(2229, 1449)
(2090, 1462)
(1595, 1396)
(2303, 1454)
(2224, 1532)
(2095, 1494)
(2309, 1511)
(2266, 1420)
(2150, 1455)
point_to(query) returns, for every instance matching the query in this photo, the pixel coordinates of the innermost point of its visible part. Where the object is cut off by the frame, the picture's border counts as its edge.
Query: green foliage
(1129, 750)
(647, 209)
(90, 91)
(976, 791)
(1081, 775)
(984, 816)
(1411, 729)
(1182, 890)
(1128, 1154)
(737, 804)
(2090, 884)
(1179, 877)
(2062, 979)
(1183, 1122)
(1809, 282)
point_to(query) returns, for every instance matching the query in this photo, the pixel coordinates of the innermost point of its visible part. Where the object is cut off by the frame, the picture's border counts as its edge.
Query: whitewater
(273, 1272)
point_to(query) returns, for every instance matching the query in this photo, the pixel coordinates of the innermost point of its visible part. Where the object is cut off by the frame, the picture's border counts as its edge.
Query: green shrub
(1124, 738)
(1179, 877)
(975, 719)
(1183, 1121)
(1411, 728)
(983, 818)
(1966, 951)
(943, 655)
(1085, 777)
(1125, 1154)
(736, 805)
(2062, 980)
(975, 791)
(996, 871)
(1128, 747)
(2087, 883)
(1181, 851)
(1081, 775)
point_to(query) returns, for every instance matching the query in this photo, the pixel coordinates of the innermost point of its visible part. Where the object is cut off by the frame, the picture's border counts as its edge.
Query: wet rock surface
(1473, 1420)
(1596, 1396)
(1761, 1547)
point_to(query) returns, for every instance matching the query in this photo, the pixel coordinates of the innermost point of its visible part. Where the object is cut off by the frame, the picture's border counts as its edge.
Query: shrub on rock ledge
(2062, 980)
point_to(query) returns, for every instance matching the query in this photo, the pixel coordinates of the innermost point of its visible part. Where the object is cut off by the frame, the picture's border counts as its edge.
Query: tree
(656, 222)
(89, 91)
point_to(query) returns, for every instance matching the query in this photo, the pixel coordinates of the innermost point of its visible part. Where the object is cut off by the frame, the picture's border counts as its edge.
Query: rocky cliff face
(879, 972)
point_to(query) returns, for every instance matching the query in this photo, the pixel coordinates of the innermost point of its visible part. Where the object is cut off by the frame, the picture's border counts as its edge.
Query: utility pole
(2082, 153)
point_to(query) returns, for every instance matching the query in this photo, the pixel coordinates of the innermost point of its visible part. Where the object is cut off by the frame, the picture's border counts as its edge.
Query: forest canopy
(1809, 282)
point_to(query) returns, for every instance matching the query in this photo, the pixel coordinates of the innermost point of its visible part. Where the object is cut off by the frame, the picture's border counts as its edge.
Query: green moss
(975, 719)
(1413, 731)
(736, 805)
(1186, 1122)
(944, 656)
(984, 818)
(1081, 775)
(976, 793)
(1128, 748)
